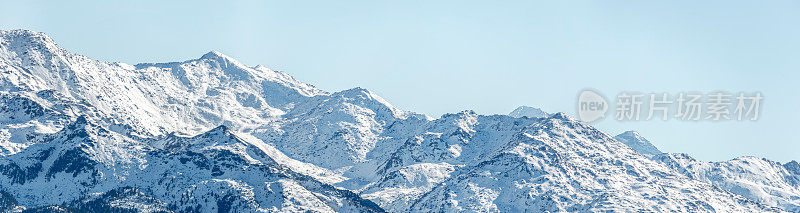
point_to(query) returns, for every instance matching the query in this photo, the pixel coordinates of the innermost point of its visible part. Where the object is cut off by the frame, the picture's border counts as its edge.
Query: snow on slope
(214, 171)
(757, 179)
(110, 136)
(336, 130)
(155, 99)
(80, 158)
(561, 164)
(22, 119)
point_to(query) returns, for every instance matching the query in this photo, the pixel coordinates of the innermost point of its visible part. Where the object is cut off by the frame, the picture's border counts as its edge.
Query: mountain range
(214, 135)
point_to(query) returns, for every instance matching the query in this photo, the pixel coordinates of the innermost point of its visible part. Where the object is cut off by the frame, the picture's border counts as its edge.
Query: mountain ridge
(212, 134)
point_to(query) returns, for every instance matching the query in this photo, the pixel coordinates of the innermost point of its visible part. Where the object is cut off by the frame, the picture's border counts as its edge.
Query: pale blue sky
(448, 56)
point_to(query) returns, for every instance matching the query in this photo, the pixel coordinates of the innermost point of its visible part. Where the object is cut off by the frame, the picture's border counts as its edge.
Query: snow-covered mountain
(560, 164)
(757, 179)
(212, 134)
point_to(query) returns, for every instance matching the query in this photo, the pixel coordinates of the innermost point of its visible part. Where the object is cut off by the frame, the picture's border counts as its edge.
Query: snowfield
(214, 135)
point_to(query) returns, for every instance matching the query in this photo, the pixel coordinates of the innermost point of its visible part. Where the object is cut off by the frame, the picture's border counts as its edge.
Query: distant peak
(27, 37)
(214, 55)
(231, 66)
(363, 93)
(462, 114)
(468, 112)
(631, 133)
(22, 32)
(631, 136)
(526, 111)
(356, 90)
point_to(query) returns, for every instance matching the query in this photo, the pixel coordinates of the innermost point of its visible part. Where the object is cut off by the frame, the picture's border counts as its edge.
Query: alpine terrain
(214, 135)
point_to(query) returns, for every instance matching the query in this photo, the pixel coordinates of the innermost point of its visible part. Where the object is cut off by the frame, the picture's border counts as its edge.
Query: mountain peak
(634, 140)
(526, 111)
(26, 39)
(221, 58)
(793, 167)
(23, 33)
(219, 130)
(632, 133)
(214, 55)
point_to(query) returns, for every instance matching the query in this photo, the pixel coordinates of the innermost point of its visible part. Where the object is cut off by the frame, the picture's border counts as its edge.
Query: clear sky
(488, 56)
